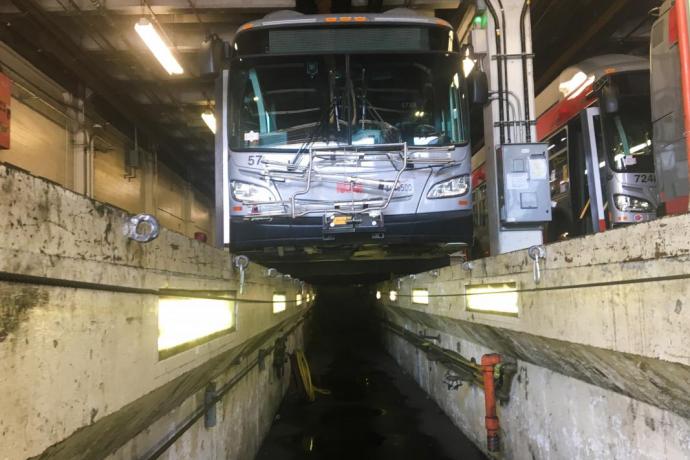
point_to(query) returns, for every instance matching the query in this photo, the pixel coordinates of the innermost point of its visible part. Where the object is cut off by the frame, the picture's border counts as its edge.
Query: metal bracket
(210, 405)
(261, 358)
(280, 356)
(503, 376)
(241, 263)
(423, 335)
(535, 253)
(142, 228)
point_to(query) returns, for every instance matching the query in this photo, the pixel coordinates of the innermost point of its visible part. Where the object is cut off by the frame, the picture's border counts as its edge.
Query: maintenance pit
(148, 309)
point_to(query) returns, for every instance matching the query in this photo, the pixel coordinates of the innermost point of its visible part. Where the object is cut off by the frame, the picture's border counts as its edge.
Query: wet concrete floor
(374, 411)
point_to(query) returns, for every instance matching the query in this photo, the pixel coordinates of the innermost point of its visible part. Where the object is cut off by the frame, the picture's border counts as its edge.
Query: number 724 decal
(645, 178)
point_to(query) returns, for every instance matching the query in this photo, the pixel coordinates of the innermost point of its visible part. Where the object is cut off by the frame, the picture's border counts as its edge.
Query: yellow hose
(305, 375)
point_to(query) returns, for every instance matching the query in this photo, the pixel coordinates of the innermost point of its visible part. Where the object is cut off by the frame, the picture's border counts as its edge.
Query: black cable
(525, 85)
(656, 279)
(498, 68)
(504, 58)
(65, 283)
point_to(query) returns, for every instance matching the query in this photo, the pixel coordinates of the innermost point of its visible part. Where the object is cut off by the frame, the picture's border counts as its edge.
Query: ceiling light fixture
(210, 120)
(157, 46)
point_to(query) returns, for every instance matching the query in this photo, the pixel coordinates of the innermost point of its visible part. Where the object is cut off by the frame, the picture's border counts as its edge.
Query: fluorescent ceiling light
(182, 320)
(420, 296)
(210, 120)
(576, 85)
(157, 46)
(378, 295)
(639, 147)
(493, 298)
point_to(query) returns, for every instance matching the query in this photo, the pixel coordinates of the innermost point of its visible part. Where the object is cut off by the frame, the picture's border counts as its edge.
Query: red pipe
(684, 50)
(491, 419)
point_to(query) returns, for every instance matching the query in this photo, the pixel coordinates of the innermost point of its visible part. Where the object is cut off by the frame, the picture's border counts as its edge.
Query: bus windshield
(628, 132)
(297, 102)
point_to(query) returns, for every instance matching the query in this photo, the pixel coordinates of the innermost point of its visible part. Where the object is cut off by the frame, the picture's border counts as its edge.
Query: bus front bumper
(427, 228)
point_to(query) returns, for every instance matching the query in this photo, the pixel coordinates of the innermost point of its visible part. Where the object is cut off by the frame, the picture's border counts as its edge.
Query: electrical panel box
(5, 98)
(524, 191)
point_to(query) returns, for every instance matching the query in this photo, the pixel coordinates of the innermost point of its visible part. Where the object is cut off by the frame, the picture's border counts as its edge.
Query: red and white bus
(595, 116)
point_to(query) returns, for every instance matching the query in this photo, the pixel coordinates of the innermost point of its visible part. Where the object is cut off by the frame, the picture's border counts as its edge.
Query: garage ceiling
(92, 44)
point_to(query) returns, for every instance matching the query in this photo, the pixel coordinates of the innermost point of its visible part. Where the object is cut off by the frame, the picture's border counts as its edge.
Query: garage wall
(110, 184)
(42, 144)
(170, 191)
(38, 144)
(202, 218)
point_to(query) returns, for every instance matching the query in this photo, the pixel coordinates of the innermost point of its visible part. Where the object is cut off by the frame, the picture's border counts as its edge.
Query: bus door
(590, 118)
(579, 188)
(561, 226)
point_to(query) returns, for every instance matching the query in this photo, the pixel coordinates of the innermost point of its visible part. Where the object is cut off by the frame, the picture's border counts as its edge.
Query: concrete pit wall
(601, 345)
(80, 371)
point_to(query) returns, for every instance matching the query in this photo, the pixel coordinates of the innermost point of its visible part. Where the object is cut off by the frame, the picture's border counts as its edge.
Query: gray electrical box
(524, 192)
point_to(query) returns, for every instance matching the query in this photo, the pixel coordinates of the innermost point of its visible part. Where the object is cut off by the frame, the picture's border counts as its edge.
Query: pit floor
(374, 411)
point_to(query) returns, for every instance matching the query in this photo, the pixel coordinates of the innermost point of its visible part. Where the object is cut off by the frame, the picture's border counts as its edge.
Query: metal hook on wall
(142, 228)
(535, 253)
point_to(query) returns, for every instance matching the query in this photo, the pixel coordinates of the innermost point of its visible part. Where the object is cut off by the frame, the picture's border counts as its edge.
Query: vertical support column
(188, 203)
(509, 83)
(81, 170)
(222, 159)
(148, 182)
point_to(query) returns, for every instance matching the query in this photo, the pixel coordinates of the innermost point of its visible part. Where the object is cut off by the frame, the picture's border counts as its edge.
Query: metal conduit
(220, 393)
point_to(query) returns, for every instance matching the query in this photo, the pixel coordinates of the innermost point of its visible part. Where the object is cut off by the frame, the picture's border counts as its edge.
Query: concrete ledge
(627, 290)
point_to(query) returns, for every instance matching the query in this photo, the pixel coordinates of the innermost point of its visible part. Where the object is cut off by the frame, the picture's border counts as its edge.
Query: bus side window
(558, 165)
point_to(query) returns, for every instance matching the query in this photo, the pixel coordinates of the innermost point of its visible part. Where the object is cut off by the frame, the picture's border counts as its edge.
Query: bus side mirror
(609, 99)
(478, 87)
(212, 55)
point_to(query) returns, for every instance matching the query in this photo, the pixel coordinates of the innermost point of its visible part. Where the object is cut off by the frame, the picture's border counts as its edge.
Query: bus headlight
(457, 186)
(627, 203)
(244, 192)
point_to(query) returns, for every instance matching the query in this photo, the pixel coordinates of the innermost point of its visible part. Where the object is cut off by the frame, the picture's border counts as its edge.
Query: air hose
(305, 377)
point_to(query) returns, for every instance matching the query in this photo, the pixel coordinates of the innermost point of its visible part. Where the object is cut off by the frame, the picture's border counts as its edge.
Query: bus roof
(288, 18)
(592, 68)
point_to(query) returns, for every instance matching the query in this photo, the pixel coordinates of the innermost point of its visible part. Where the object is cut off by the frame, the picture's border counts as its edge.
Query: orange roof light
(360, 19)
(246, 26)
(331, 19)
(345, 18)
